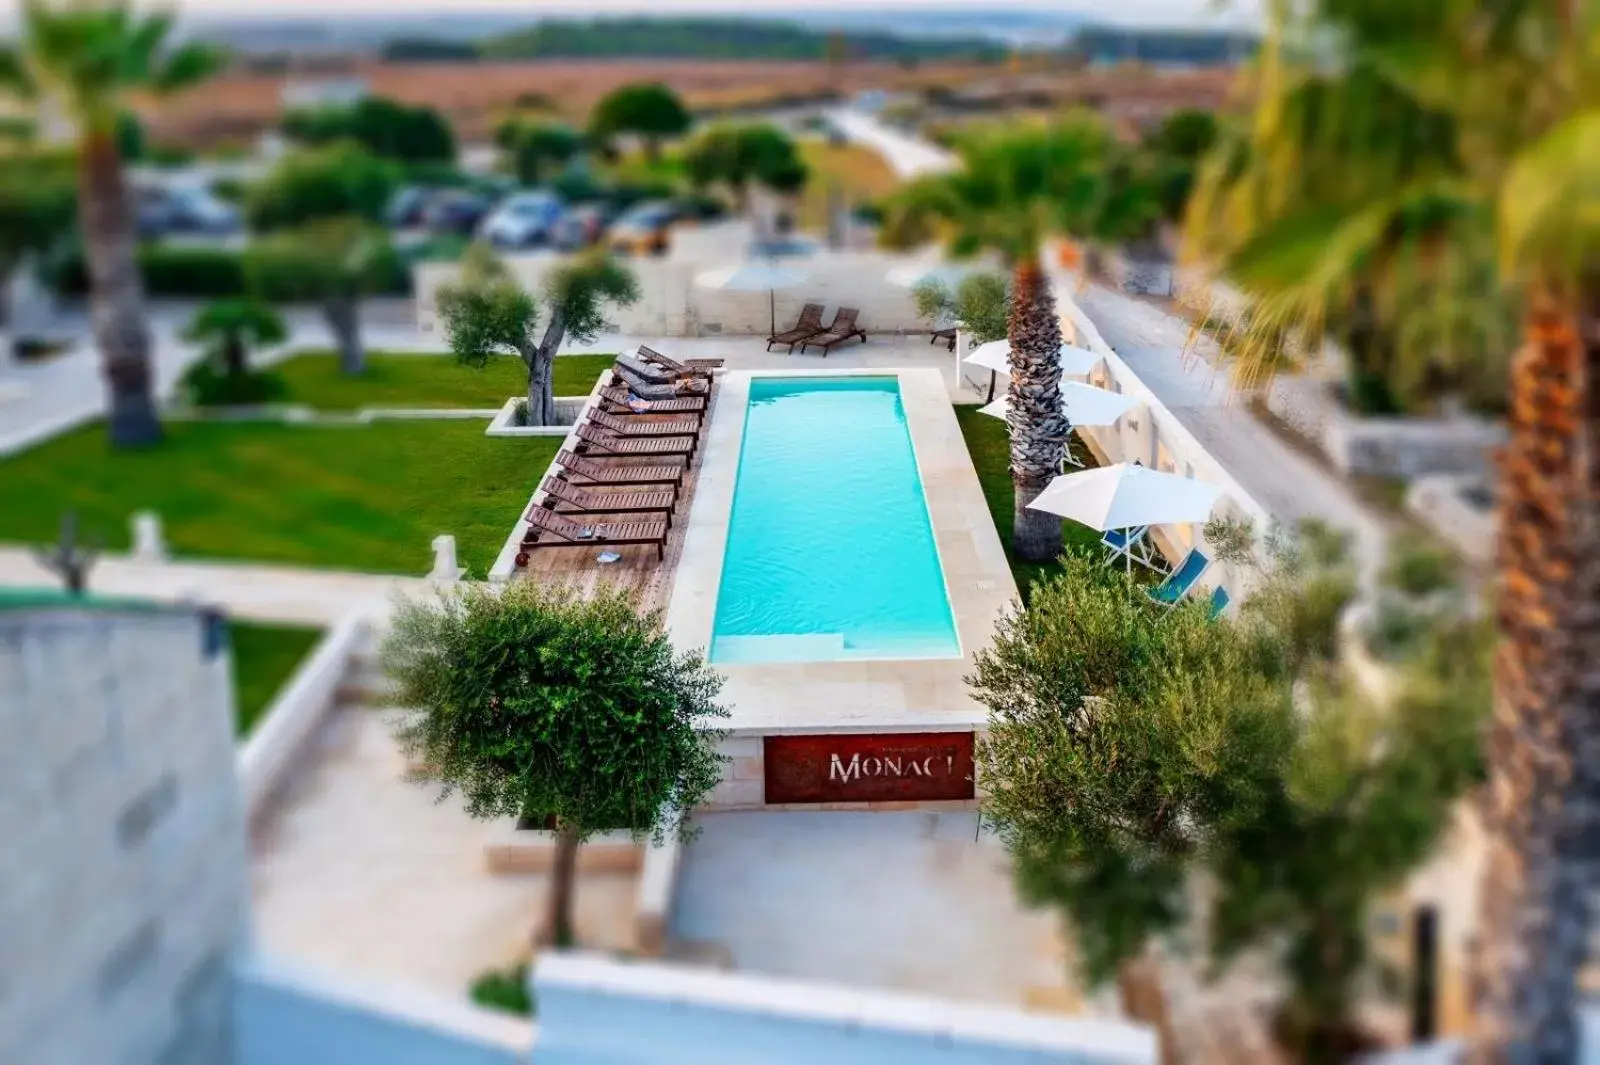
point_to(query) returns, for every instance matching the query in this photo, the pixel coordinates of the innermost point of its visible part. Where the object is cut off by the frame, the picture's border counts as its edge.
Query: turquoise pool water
(830, 554)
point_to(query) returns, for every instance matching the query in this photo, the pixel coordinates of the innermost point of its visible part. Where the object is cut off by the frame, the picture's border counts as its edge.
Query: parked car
(645, 229)
(525, 220)
(455, 211)
(406, 207)
(581, 227)
(162, 211)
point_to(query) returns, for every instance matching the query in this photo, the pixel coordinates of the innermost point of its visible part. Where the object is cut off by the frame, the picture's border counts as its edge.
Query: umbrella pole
(772, 307)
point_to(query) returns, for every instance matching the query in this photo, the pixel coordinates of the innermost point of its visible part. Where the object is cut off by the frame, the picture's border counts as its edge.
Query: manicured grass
(425, 381)
(990, 447)
(264, 657)
(357, 497)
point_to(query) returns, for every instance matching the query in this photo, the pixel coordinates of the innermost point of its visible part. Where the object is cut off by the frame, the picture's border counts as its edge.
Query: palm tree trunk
(557, 929)
(1038, 427)
(343, 315)
(116, 293)
(1542, 804)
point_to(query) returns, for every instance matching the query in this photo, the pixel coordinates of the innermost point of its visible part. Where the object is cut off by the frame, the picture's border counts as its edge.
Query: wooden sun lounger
(621, 401)
(597, 441)
(809, 325)
(677, 425)
(946, 335)
(693, 367)
(843, 328)
(627, 365)
(583, 501)
(601, 473)
(552, 530)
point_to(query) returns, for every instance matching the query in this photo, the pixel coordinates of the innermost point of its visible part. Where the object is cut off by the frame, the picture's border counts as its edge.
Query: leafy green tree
(1175, 148)
(648, 110)
(536, 150)
(227, 330)
(386, 128)
(38, 205)
(1132, 754)
(84, 61)
(1017, 186)
(487, 313)
(982, 302)
(339, 180)
(738, 156)
(333, 262)
(537, 704)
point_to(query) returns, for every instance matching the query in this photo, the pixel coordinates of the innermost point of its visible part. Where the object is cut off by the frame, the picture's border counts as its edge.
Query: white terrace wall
(672, 305)
(595, 1011)
(287, 1014)
(1153, 435)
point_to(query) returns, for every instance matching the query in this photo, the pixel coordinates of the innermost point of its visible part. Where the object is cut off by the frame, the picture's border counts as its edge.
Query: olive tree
(487, 314)
(538, 704)
(1134, 752)
(333, 263)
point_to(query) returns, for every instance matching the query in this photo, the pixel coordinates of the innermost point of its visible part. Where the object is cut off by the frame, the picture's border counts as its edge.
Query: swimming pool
(830, 554)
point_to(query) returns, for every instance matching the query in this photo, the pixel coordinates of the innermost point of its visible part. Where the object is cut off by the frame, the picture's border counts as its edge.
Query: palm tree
(1512, 91)
(82, 61)
(1015, 188)
(230, 328)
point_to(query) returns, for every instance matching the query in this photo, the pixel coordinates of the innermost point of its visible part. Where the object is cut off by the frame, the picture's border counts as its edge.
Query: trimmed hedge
(185, 272)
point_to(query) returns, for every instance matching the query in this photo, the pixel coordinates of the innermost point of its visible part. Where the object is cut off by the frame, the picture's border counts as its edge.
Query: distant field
(474, 94)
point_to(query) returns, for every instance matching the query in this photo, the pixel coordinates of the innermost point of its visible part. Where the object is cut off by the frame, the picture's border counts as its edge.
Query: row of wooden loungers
(629, 461)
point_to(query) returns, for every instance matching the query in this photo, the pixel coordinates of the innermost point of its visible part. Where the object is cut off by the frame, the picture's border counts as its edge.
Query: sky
(1203, 12)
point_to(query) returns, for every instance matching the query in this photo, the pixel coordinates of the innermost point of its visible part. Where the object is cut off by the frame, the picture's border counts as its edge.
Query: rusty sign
(867, 767)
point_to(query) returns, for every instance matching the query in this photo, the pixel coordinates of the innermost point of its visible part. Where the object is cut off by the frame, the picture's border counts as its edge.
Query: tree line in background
(694, 38)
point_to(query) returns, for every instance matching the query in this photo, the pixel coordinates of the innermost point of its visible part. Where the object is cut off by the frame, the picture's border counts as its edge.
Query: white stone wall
(593, 1010)
(672, 305)
(125, 895)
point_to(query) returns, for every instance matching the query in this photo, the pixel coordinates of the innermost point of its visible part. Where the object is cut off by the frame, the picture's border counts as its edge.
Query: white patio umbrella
(996, 356)
(1083, 405)
(754, 275)
(1127, 496)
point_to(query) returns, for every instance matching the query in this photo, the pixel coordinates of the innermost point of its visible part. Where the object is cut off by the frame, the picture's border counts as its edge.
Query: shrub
(204, 385)
(168, 270)
(1419, 567)
(505, 990)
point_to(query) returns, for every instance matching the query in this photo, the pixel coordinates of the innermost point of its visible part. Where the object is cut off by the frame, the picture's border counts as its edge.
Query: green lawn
(990, 447)
(357, 497)
(264, 657)
(437, 381)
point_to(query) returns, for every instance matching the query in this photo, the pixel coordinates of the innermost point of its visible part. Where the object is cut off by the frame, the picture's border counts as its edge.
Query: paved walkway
(905, 901)
(363, 871)
(246, 590)
(909, 157)
(1156, 346)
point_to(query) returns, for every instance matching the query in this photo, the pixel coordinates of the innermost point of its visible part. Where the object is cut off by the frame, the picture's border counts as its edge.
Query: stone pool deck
(904, 695)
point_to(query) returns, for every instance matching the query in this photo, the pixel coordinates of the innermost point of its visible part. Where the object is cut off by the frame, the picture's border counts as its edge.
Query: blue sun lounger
(1171, 591)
